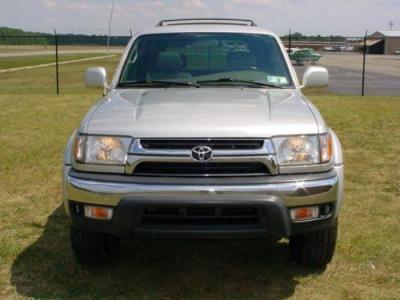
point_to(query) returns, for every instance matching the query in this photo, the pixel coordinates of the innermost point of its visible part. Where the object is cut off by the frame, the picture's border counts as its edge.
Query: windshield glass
(206, 58)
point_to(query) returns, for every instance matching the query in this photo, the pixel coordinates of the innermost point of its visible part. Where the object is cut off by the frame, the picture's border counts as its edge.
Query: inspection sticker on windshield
(277, 80)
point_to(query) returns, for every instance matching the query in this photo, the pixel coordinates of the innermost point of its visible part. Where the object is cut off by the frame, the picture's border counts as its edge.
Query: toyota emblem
(202, 153)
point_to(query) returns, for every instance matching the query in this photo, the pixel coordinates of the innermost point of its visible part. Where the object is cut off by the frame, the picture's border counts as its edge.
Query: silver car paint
(231, 112)
(223, 112)
(206, 112)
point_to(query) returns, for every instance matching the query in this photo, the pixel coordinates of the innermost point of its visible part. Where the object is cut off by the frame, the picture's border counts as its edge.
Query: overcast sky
(347, 17)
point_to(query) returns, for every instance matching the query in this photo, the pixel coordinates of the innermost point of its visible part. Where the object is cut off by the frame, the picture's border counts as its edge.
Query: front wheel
(93, 247)
(314, 248)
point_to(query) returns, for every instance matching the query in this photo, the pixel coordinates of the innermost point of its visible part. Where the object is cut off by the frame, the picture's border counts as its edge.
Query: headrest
(241, 59)
(169, 61)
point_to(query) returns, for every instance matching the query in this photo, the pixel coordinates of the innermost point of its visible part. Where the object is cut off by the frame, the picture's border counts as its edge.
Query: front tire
(93, 247)
(315, 248)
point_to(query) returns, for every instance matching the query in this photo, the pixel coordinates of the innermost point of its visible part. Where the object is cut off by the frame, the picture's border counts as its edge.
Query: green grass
(36, 260)
(41, 81)
(23, 61)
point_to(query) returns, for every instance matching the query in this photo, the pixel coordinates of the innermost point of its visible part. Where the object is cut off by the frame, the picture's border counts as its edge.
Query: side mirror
(315, 77)
(96, 77)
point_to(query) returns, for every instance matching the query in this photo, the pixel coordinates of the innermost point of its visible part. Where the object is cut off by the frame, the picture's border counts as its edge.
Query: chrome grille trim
(265, 155)
(137, 149)
(215, 144)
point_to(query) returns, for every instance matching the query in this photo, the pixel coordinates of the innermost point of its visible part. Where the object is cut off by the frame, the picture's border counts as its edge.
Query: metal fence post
(363, 68)
(57, 75)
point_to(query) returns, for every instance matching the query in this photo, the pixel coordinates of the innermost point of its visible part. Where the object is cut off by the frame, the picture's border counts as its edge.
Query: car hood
(201, 112)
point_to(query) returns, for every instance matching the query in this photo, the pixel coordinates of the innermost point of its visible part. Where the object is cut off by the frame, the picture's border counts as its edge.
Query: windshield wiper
(247, 82)
(157, 82)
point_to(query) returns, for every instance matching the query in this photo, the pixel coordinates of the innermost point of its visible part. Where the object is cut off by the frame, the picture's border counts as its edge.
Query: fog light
(304, 213)
(99, 213)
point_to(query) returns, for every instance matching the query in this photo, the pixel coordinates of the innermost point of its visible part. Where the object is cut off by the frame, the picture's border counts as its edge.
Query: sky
(325, 17)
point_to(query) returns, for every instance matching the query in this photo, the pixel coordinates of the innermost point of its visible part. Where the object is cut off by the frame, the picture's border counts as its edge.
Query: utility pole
(391, 24)
(109, 26)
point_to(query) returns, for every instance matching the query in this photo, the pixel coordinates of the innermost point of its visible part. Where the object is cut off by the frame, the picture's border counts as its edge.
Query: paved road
(385, 64)
(348, 81)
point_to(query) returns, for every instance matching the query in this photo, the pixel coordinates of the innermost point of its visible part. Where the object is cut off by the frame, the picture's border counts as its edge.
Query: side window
(131, 67)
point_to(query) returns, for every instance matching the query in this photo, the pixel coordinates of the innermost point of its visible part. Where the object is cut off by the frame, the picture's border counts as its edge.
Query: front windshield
(206, 58)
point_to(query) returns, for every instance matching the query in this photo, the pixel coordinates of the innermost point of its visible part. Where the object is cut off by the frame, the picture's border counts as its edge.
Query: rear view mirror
(315, 77)
(96, 77)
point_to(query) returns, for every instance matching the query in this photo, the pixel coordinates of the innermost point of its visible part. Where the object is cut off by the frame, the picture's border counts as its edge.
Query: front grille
(215, 144)
(201, 169)
(201, 216)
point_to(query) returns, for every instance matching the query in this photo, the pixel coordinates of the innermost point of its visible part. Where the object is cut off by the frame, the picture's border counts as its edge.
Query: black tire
(93, 247)
(316, 248)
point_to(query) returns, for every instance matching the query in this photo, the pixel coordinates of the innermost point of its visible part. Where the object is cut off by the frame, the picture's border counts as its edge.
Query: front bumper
(271, 197)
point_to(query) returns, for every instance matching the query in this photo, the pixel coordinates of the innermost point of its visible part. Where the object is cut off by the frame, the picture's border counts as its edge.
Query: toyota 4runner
(203, 133)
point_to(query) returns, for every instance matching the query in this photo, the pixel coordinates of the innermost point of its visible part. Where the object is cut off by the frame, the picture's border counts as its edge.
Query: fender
(338, 164)
(66, 167)
(337, 155)
(68, 149)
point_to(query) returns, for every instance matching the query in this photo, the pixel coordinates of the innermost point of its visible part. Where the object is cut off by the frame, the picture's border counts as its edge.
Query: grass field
(36, 260)
(15, 62)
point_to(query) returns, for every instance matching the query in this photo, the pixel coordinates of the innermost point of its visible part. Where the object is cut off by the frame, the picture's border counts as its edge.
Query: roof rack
(205, 21)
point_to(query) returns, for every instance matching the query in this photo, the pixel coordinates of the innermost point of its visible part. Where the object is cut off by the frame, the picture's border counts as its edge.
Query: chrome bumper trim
(292, 193)
(292, 188)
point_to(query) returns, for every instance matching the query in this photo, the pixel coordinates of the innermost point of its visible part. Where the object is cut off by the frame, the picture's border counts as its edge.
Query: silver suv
(204, 133)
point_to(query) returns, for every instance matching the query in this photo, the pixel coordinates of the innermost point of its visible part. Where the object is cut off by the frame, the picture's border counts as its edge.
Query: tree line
(299, 36)
(13, 36)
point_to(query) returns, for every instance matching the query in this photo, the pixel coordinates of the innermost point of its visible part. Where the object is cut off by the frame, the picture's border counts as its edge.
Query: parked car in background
(329, 49)
(292, 50)
(346, 48)
(304, 55)
(204, 133)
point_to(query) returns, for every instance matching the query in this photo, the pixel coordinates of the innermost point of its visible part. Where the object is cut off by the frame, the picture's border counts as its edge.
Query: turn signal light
(98, 212)
(304, 213)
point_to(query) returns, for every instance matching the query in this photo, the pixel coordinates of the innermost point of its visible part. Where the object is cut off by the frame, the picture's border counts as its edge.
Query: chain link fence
(353, 66)
(57, 62)
(54, 62)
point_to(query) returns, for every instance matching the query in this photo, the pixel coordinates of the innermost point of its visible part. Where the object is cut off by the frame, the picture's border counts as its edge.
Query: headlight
(300, 150)
(101, 149)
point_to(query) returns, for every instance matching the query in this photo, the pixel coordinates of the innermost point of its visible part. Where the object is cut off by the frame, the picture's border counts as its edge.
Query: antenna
(109, 27)
(391, 25)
